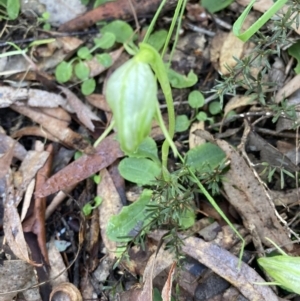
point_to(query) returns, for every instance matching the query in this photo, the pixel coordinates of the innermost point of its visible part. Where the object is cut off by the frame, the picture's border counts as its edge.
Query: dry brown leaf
(6, 142)
(232, 47)
(84, 114)
(58, 113)
(105, 154)
(36, 98)
(5, 161)
(31, 164)
(56, 128)
(147, 291)
(195, 140)
(92, 241)
(27, 199)
(34, 131)
(58, 272)
(98, 101)
(167, 289)
(12, 224)
(35, 221)
(111, 205)
(238, 101)
(249, 198)
(225, 265)
(289, 88)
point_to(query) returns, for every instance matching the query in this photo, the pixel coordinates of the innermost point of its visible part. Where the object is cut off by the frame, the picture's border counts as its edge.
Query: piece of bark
(121, 9)
(225, 265)
(105, 154)
(249, 198)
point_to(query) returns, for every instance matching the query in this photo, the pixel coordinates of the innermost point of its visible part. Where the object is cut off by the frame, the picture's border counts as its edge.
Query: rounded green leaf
(120, 29)
(82, 71)
(196, 99)
(125, 226)
(63, 72)
(157, 39)
(13, 8)
(104, 59)
(204, 156)
(147, 149)
(215, 107)
(214, 6)
(139, 170)
(182, 123)
(88, 86)
(106, 41)
(201, 116)
(180, 81)
(84, 53)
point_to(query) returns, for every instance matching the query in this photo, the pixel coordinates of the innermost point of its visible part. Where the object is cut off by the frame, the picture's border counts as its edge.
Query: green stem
(171, 29)
(151, 26)
(177, 31)
(219, 210)
(246, 35)
(105, 133)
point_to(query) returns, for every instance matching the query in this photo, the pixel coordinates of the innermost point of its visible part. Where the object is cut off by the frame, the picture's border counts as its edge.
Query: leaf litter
(52, 116)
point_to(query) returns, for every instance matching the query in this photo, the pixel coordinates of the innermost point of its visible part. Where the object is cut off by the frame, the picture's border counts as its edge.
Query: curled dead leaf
(65, 291)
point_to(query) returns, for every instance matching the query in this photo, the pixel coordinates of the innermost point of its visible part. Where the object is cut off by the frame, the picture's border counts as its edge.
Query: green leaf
(180, 81)
(98, 201)
(124, 226)
(81, 70)
(187, 219)
(63, 72)
(284, 270)
(147, 149)
(196, 99)
(215, 107)
(88, 86)
(201, 116)
(294, 51)
(106, 41)
(122, 30)
(182, 123)
(84, 53)
(104, 59)
(87, 209)
(214, 6)
(204, 156)
(248, 33)
(97, 179)
(157, 39)
(13, 8)
(100, 2)
(139, 170)
(77, 155)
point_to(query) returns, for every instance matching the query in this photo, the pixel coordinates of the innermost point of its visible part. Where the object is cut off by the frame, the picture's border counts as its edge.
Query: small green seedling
(284, 269)
(90, 206)
(117, 31)
(44, 19)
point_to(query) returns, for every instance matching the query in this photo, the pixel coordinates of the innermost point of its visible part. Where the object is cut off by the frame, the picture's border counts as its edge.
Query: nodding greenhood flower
(131, 93)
